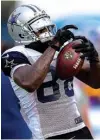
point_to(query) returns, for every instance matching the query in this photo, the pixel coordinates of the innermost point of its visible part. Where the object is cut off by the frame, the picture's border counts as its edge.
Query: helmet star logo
(13, 20)
(10, 64)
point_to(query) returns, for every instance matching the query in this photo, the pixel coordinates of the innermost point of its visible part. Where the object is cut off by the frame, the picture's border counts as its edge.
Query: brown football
(69, 62)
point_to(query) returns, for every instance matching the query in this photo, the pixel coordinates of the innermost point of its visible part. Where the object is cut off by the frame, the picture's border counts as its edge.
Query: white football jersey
(51, 110)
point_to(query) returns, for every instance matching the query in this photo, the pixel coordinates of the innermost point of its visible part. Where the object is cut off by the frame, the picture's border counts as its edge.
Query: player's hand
(87, 49)
(64, 34)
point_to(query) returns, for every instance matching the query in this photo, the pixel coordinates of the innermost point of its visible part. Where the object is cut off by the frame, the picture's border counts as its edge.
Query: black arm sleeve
(11, 59)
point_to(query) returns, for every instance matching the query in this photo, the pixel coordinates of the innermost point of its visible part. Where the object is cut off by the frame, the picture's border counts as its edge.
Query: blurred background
(86, 15)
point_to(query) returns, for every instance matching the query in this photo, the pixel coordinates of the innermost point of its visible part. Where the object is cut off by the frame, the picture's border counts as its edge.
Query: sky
(60, 8)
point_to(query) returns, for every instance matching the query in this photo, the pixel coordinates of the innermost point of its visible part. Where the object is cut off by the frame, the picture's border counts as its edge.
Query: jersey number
(68, 87)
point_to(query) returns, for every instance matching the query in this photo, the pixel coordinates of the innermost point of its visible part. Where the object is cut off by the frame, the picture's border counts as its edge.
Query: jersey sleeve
(11, 60)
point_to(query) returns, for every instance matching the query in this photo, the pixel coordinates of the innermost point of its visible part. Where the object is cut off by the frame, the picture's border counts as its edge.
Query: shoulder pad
(10, 59)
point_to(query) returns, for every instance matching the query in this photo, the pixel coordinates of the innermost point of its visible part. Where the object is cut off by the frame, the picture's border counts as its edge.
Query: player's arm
(90, 72)
(27, 76)
(30, 77)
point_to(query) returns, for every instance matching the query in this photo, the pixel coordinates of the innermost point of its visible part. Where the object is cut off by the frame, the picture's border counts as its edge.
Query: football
(69, 62)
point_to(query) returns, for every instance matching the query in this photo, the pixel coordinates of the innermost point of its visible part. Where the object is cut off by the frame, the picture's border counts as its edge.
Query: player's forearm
(31, 77)
(41, 67)
(95, 74)
(90, 74)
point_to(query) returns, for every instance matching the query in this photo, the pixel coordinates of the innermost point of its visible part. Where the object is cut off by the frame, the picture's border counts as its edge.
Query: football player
(47, 103)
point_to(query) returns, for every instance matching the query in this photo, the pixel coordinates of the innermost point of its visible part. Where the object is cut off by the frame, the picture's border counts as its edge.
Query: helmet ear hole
(20, 35)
